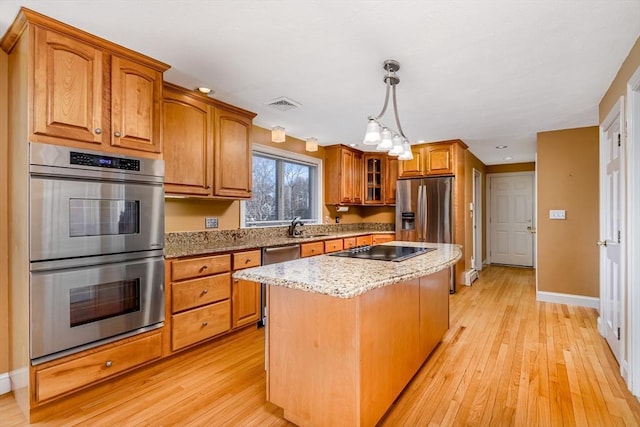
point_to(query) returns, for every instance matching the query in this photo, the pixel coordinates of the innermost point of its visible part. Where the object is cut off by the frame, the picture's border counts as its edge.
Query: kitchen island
(344, 336)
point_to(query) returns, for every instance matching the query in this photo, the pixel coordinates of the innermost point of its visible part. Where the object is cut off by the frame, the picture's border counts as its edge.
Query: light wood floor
(506, 360)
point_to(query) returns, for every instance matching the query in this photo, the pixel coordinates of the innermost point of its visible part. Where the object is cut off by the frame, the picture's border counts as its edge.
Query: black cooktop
(383, 252)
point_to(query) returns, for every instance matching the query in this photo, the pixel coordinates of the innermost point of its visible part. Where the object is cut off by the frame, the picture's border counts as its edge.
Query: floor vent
(283, 104)
(470, 276)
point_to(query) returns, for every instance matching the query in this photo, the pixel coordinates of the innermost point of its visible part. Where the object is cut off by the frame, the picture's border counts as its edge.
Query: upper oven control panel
(102, 161)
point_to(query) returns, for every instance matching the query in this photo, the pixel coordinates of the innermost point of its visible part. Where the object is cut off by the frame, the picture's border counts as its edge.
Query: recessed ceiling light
(508, 158)
(204, 90)
(501, 147)
(353, 145)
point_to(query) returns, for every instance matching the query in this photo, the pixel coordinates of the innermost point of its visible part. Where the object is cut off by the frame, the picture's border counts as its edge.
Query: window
(285, 185)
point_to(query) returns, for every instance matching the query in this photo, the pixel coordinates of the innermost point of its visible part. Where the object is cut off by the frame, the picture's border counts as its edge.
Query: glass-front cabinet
(374, 177)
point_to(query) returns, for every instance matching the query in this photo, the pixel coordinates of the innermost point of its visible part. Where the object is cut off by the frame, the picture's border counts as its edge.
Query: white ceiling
(489, 72)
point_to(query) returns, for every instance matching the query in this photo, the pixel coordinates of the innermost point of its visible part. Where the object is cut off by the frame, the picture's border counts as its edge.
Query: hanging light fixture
(311, 144)
(380, 135)
(277, 134)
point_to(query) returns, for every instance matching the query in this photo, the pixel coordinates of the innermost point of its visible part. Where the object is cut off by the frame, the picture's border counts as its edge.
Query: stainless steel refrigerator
(424, 211)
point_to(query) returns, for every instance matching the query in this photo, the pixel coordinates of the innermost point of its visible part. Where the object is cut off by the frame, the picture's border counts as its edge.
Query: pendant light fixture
(384, 138)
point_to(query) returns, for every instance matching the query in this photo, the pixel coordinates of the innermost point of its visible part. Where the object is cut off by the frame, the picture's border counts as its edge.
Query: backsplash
(263, 234)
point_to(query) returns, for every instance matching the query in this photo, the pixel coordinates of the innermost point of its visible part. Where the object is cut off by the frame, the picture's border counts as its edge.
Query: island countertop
(349, 277)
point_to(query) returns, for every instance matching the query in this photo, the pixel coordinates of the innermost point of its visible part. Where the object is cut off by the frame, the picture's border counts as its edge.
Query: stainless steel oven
(96, 248)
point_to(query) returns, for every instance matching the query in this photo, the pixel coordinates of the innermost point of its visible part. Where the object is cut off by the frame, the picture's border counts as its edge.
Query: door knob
(531, 230)
(602, 243)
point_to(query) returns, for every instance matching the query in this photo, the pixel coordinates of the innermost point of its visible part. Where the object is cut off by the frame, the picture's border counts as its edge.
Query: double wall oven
(96, 248)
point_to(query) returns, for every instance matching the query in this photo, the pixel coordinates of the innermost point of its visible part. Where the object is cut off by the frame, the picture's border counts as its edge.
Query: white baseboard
(470, 276)
(5, 383)
(568, 299)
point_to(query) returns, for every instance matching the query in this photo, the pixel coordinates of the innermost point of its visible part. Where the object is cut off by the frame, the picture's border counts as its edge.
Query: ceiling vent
(283, 104)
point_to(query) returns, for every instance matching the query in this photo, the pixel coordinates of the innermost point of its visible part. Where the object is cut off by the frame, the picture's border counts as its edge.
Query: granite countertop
(197, 247)
(350, 277)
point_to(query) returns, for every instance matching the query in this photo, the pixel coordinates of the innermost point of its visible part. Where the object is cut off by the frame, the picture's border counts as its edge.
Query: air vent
(283, 104)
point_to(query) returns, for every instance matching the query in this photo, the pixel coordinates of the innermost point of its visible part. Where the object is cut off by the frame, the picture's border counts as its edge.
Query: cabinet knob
(203, 268)
(98, 131)
(108, 364)
(247, 261)
(205, 323)
(117, 134)
(204, 291)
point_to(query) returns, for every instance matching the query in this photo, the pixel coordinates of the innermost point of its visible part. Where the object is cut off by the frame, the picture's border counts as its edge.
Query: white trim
(297, 157)
(5, 383)
(533, 213)
(633, 232)
(477, 220)
(558, 298)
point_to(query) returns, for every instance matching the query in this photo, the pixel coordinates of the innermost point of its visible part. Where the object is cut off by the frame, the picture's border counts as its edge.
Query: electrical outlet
(211, 222)
(557, 214)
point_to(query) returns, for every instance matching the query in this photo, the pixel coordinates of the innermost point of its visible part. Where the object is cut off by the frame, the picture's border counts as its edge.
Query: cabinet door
(439, 159)
(414, 167)
(391, 179)
(346, 176)
(246, 302)
(358, 187)
(67, 94)
(232, 155)
(373, 178)
(136, 97)
(187, 144)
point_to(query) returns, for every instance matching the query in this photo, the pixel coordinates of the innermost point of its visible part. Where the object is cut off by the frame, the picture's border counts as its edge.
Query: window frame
(295, 157)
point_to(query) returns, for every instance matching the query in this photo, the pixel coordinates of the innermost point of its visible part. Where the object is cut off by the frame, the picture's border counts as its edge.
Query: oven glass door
(77, 218)
(78, 306)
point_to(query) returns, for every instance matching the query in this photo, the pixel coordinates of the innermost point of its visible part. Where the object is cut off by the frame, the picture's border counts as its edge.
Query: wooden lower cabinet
(311, 249)
(333, 245)
(349, 242)
(377, 239)
(364, 240)
(198, 292)
(246, 295)
(199, 324)
(84, 370)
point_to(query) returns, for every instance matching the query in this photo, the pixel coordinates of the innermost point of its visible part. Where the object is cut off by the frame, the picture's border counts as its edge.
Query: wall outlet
(557, 214)
(211, 222)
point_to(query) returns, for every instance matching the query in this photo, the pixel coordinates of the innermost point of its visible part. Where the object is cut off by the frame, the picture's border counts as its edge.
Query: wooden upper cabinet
(358, 177)
(232, 154)
(439, 159)
(67, 88)
(136, 99)
(374, 178)
(343, 175)
(414, 167)
(187, 143)
(391, 179)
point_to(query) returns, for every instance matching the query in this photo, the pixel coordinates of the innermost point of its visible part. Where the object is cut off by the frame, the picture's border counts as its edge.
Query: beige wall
(568, 179)
(4, 266)
(512, 167)
(618, 87)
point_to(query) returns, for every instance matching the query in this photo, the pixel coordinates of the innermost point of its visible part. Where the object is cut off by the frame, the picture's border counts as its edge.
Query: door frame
(617, 110)
(534, 203)
(632, 234)
(478, 262)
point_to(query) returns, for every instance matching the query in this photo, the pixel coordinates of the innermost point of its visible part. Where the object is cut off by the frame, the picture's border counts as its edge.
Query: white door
(511, 219)
(611, 205)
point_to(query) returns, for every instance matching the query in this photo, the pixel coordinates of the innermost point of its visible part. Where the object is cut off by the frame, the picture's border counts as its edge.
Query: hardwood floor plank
(506, 360)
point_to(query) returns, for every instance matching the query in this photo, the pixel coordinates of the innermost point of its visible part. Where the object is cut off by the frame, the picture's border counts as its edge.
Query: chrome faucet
(292, 228)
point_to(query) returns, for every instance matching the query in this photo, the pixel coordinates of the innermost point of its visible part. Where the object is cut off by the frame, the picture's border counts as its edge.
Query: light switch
(557, 214)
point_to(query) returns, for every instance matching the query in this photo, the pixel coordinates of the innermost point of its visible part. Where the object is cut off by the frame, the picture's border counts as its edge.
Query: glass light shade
(277, 134)
(372, 137)
(407, 154)
(387, 141)
(311, 144)
(397, 148)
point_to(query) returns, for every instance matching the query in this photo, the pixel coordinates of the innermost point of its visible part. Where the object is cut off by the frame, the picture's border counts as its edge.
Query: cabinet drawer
(364, 240)
(349, 242)
(246, 259)
(332, 245)
(200, 323)
(382, 238)
(85, 370)
(197, 292)
(311, 249)
(198, 267)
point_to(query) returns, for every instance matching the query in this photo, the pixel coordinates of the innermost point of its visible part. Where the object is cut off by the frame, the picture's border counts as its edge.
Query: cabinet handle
(247, 261)
(108, 364)
(203, 268)
(117, 134)
(204, 291)
(98, 131)
(205, 323)
(236, 280)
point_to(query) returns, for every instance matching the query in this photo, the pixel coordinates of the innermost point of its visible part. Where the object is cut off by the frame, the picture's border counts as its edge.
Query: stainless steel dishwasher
(274, 256)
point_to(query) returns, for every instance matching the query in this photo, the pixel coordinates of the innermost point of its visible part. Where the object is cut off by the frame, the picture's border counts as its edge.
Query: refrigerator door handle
(420, 212)
(425, 210)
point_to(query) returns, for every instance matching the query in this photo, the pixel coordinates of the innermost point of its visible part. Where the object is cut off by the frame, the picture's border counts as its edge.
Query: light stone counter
(349, 277)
